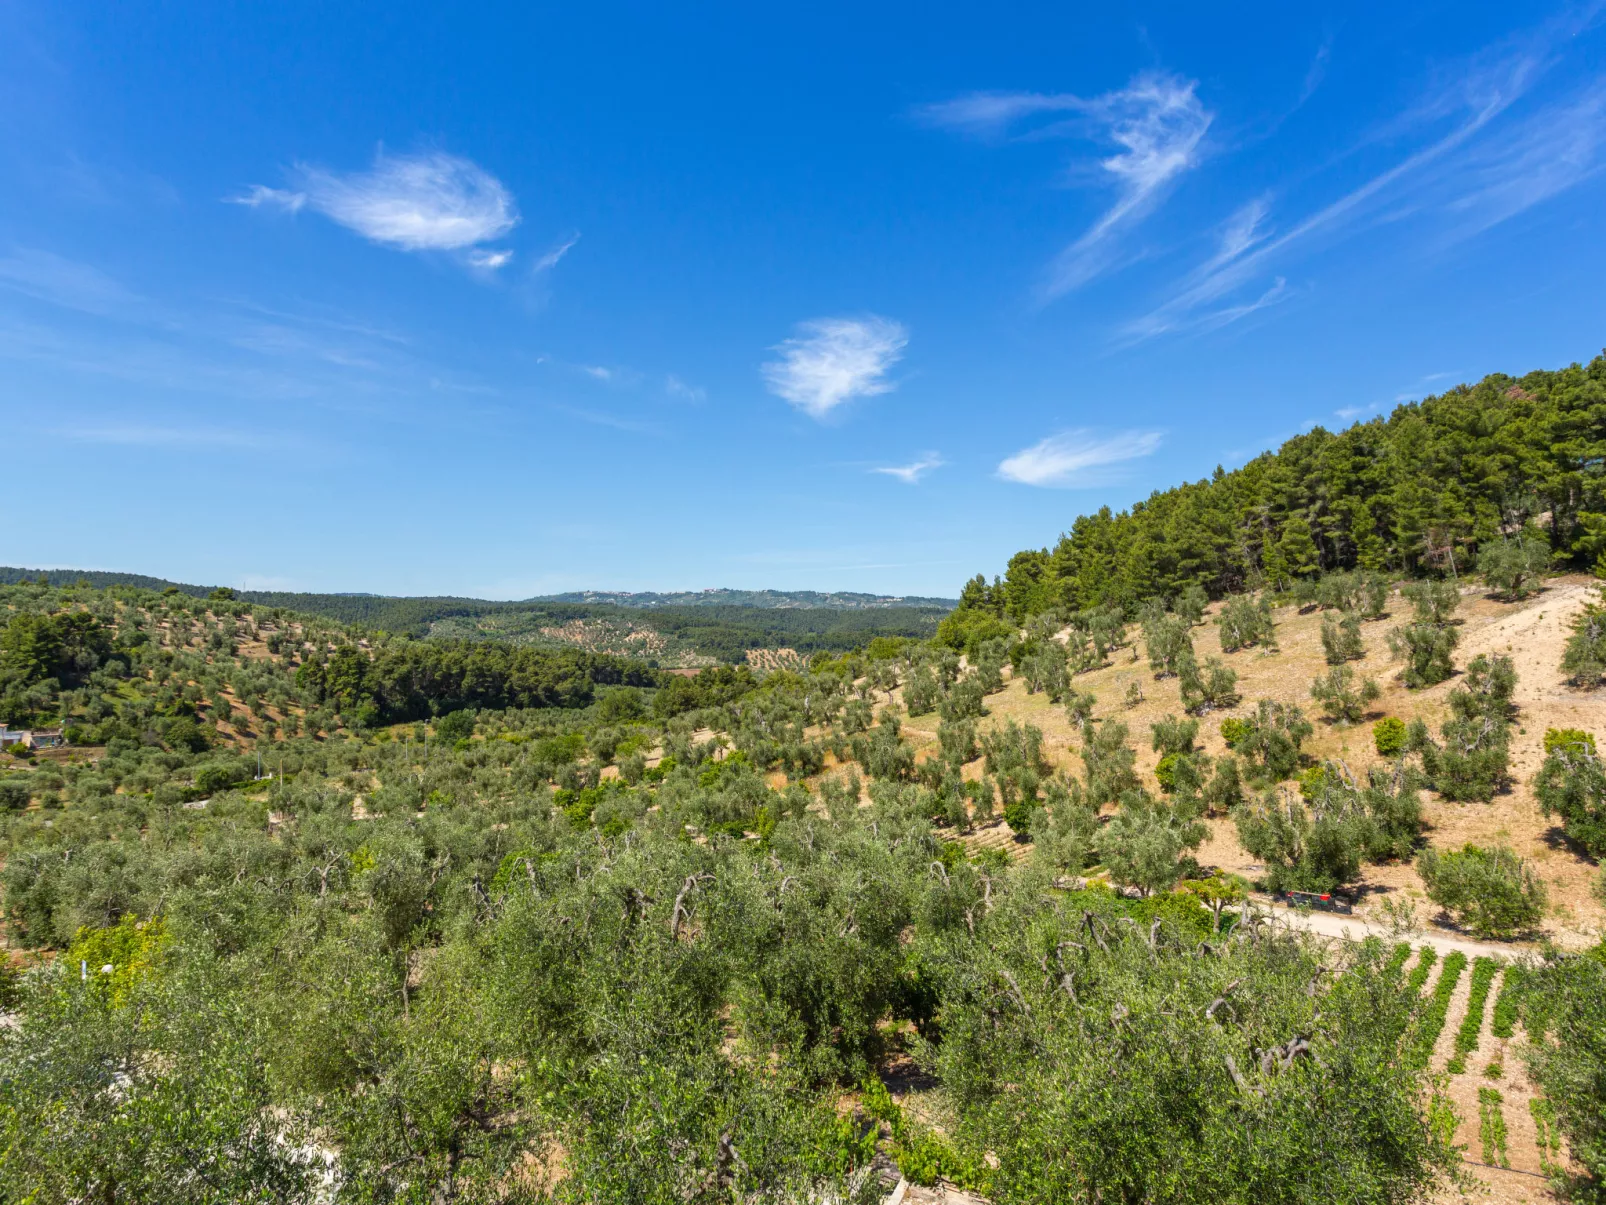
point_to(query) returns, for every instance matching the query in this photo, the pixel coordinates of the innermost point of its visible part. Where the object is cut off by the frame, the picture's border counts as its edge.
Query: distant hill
(680, 629)
(98, 578)
(841, 600)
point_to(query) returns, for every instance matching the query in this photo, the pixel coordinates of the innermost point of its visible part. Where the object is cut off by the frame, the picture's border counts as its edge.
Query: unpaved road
(1356, 928)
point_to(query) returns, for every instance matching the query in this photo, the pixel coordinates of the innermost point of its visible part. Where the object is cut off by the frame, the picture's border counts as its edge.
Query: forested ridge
(1416, 491)
(722, 626)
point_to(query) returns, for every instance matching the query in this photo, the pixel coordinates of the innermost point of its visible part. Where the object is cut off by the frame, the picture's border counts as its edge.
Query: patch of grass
(1549, 1138)
(1466, 1038)
(1505, 1005)
(1422, 969)
(1492, 1127)
(1431, 1022)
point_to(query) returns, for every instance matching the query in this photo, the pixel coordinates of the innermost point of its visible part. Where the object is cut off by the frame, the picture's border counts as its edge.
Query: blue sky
(413, 299)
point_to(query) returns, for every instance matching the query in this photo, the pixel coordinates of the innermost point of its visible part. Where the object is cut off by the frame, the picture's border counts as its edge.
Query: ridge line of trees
(1416, 492)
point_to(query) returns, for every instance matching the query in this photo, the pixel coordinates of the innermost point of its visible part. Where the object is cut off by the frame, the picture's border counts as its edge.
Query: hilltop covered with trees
(1418, 491)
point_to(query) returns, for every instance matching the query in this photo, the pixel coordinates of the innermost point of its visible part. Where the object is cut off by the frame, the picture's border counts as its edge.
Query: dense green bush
(1207, 687)
(1078, 1079)
(1572, 784)
(1490, 891)
(1388, 736)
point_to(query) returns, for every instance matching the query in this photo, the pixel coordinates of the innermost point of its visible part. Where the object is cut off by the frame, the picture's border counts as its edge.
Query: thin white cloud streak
(624, 377)
(259, 196)
(1547, 155)
(1241, 232)
(1072, 459)
(550, 260)
(833, 360)
(1559, 149)
(164, 437)
(675, 387)
(598, 418)
(45, 276)
(1316, 72)
(1158, 124)
(910, 474)
(990, 114)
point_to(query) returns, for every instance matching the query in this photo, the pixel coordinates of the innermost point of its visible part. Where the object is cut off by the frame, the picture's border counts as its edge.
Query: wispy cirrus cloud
(547, 262)
(1157, 125)
(833, 360)
(1077, 459)
(911, 473)
(1478, 171)
(426, 202)
(675, 387)
(140, 435)
(260, 196)
(45, 276)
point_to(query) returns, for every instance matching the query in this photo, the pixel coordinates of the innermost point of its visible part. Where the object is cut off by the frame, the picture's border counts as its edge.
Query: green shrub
(1247, 621)
(1207, 687)
(1572, 784)
(1584, 660)
(1018, 815)
(1490, 891)
(1568, 738)
(1515, 567)
(455, 726)
(1273, 739)
(1317, 843)
(1165, 772)
(15, 792)
(1171, 735)
(1425, 648)
(1233, 730)
(1388, 736)
(1341, 639)
(1342, 698)
(218, 776)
